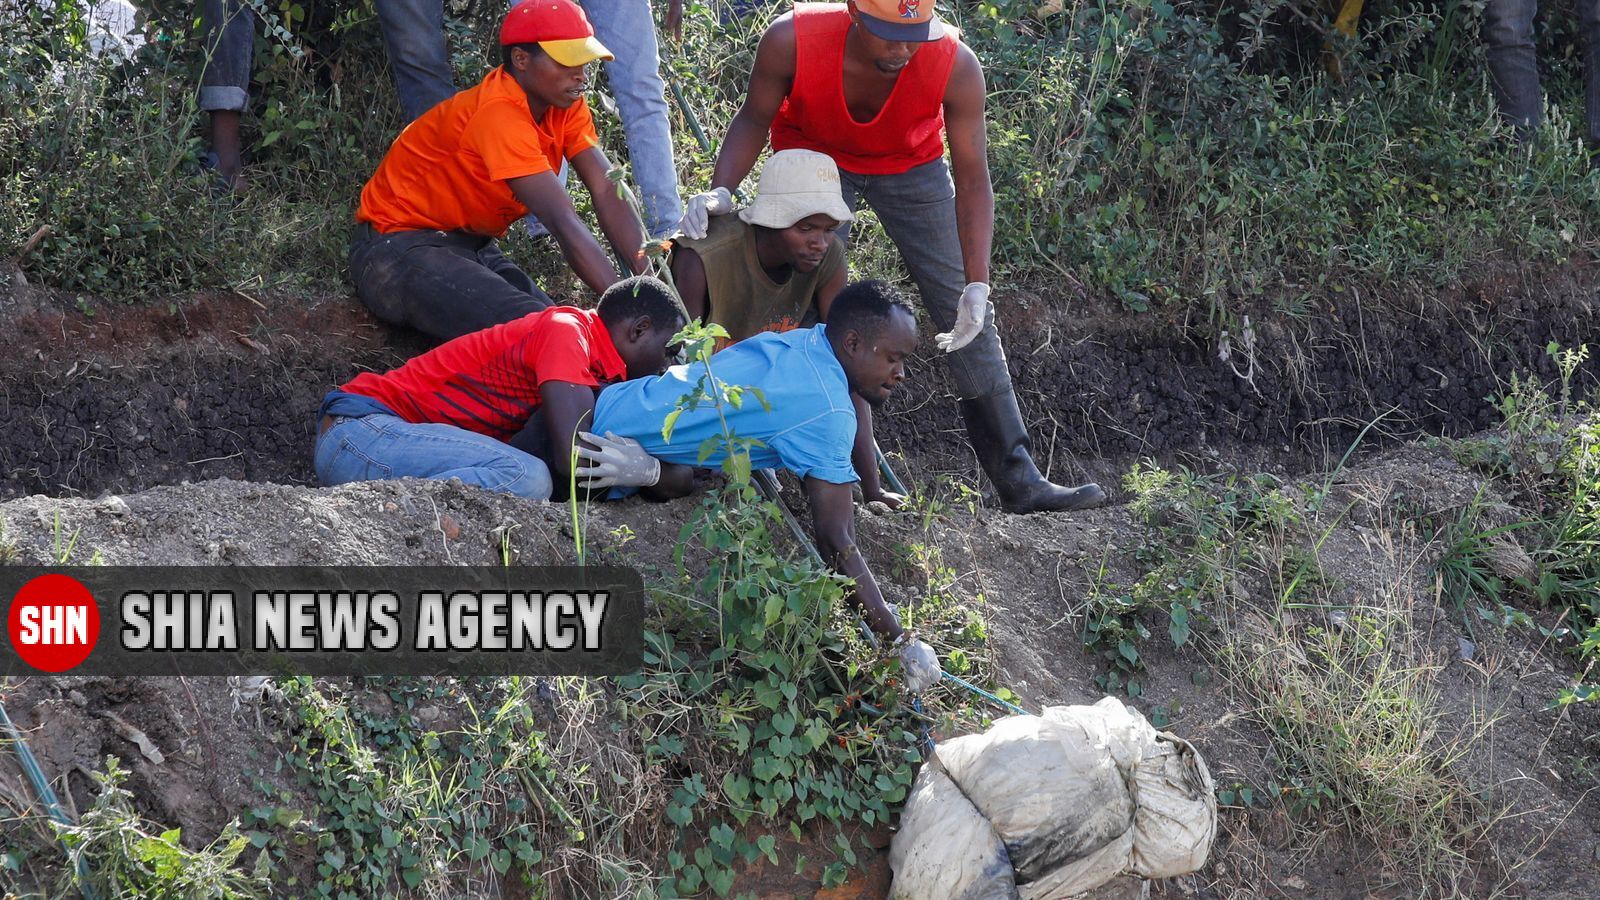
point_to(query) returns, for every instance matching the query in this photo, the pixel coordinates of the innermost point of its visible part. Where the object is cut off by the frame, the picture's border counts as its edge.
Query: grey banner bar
(353, 620)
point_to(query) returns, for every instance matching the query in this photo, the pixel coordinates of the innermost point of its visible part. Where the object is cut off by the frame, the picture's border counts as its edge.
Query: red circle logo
(54, 623)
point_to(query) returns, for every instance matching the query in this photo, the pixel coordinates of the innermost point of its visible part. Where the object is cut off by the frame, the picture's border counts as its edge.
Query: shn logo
(54, 623)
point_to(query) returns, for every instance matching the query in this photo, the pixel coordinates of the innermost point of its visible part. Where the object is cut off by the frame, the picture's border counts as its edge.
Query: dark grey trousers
(442, 283)
(918, 210)
(1514, 70)
(229, 44)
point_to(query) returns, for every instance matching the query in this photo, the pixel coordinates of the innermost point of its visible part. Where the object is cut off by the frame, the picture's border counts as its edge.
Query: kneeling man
(450, 412)
(424, 251)
(808, 425)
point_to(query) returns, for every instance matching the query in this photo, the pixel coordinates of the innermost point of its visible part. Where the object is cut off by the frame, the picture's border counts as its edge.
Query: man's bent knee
(525, 477)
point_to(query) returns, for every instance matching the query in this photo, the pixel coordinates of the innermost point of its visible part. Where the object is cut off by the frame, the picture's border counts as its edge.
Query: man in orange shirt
(424, 251)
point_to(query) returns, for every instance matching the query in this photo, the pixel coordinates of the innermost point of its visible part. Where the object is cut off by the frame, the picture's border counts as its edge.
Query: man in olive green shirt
(777, 265)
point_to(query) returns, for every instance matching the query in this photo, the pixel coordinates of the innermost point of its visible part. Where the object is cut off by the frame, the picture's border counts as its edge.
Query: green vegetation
(1548, 456)
(121, 854)
(1171, 155)
(759, 716)
(398, 798)
(1340, 683)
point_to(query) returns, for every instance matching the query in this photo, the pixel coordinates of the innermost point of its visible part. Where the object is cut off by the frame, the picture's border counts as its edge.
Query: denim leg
(851, 188)
(419, 58)
(1589, 22)
(436, 283)
(229, 43)
(1513, 70)
(628, 30)
(379, 447)
(918, 211)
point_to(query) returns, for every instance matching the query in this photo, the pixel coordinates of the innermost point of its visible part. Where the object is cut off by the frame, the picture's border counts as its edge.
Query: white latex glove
(620, 462)
(920, 666)
(698, 211)
(971, 314)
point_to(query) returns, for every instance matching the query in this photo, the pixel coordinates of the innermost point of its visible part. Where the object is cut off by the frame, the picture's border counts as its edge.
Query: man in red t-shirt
(424, 251)
(880, 86)
(451, 412)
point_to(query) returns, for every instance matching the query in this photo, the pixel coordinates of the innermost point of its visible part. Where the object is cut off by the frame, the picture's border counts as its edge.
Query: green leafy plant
(1206, 529)
(126, 858)
(402, 801)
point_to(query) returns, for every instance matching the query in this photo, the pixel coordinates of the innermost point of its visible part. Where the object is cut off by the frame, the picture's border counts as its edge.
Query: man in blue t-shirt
(808, 426)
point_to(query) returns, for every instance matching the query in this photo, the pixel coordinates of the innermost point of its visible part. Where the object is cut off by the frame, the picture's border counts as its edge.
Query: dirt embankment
(137, 400)
(1526, 763)
(227, 386)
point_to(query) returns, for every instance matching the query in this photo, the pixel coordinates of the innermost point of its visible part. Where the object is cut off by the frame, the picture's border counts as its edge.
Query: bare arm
(567, 409)
(833, 520)
(689, 274)
(770, 81)
(676, 481)
(616, 218)
(544, 196)
(864, 456)
(969, 163)
(829, 290)
(674, 19)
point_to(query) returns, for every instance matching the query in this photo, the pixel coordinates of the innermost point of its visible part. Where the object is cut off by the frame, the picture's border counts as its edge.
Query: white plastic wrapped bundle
(1068, 804)
(945, 847)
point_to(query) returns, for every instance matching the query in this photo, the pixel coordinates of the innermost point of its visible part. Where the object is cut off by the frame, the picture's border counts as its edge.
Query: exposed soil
(141, 399)
(1531, 766)
(226, 385)
(221, 386)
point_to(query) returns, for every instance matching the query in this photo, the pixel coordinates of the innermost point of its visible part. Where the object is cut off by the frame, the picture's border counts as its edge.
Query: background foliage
(1173, 155)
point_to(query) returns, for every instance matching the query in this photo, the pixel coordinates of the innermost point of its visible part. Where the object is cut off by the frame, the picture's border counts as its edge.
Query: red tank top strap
(907, 132)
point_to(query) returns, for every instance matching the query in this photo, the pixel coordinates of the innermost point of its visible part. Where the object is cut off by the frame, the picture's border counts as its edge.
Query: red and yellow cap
(559, 27)
(900, 20)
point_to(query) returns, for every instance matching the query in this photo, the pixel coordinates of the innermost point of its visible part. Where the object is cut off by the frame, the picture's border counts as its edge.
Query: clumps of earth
(148, 437)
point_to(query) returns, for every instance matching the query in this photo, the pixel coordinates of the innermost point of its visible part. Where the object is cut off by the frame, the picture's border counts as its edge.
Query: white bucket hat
(796, 184)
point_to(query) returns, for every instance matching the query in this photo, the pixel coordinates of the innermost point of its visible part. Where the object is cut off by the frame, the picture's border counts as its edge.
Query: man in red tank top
(881, 86)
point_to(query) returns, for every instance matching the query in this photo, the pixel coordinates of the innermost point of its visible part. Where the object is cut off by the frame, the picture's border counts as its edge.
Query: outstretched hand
(919, 664)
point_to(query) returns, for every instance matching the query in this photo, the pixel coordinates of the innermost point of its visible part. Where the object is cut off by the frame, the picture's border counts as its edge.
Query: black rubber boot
(995, 428)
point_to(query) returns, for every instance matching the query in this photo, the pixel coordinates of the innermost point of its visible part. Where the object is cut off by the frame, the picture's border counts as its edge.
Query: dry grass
(1345, 682)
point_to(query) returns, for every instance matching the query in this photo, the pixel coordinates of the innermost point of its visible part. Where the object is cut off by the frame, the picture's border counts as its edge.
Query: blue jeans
(918, 211)
(419, 59)
(379, 447)
(229, 43)
(1514, 69)
(628, 30)
(413, 33)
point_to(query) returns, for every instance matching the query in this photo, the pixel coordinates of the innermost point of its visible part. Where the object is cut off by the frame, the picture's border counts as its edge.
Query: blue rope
(1003, 704)
(47, 795)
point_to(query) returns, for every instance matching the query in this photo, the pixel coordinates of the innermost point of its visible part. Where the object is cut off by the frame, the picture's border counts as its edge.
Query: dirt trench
(138, 398)
(226, 386)
(1028, 574)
